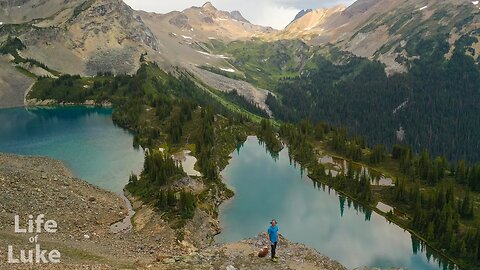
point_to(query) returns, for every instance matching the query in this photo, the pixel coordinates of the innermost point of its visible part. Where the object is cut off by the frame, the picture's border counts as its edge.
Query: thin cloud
(274, 13)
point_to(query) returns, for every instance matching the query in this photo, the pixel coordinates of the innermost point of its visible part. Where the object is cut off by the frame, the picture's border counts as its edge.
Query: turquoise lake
(85, 139)
(96, 150)
(267, 188)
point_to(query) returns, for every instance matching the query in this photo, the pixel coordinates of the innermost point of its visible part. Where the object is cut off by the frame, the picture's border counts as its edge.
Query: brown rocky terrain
(206, 23)
(21, 11)
(80, 37)
(379, 30)
(85, 215)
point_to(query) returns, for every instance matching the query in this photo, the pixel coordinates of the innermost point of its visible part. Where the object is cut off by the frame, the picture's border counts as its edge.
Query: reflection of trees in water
(67, 112)
(417, 244)
(356, 206)
(420, 246)
(275, 155)
(28, 119)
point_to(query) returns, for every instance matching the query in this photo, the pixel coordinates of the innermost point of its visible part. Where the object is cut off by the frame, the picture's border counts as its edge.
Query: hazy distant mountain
(301, 13)
(382, 29)
(236, 15)
(204, 23)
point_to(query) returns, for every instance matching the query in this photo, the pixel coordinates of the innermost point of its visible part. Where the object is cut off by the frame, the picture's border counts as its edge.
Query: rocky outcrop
(112, 17)
(244, 255)
(301, 13)
(236, 15)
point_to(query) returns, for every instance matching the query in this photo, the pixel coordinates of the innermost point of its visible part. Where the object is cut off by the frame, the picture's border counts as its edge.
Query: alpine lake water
(266, 186)
(85, 139)
(271, 186)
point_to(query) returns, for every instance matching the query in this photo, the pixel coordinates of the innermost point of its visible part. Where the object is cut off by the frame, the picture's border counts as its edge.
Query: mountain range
(84, 37)
(222, 49)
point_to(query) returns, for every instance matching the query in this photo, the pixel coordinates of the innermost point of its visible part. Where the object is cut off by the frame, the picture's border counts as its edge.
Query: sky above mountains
(274, 13)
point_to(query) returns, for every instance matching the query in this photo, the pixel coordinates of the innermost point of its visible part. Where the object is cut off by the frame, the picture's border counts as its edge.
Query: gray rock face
(105, 16)
(180, 21)
(236, 15)
(117, 61)
(302, 13)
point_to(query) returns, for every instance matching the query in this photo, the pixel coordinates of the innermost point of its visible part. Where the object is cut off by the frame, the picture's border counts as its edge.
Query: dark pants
(274, 248)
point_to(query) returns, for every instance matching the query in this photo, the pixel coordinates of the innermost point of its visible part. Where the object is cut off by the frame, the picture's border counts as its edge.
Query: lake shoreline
(391, 218)
(238, 209)
(96, 239)
(51, 102)
(220, 200)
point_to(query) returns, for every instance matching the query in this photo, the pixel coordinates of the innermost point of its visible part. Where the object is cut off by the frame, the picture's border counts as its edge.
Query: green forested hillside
(436, 199)
(435, 106)
(173, 112)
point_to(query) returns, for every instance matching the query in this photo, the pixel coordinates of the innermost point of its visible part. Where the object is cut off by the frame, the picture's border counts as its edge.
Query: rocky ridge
(380, 30)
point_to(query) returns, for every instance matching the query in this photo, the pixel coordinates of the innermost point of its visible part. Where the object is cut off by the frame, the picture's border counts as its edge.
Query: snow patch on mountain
(214, 55)
(228, 70)
(422, 8)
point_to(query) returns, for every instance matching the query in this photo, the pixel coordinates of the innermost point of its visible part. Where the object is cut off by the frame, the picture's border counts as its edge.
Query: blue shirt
(273, 233)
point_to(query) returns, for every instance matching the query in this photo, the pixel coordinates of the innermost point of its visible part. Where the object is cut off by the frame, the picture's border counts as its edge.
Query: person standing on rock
(272, 235)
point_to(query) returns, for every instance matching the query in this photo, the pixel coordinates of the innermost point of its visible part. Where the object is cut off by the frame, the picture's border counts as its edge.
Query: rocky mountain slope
(300, 14)
(12, 84)
(95, 36)
(90, 36)
(190, 38)
(308, 24)
(206, 23)
(75, 37)
(381, 30)
(22, 11)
